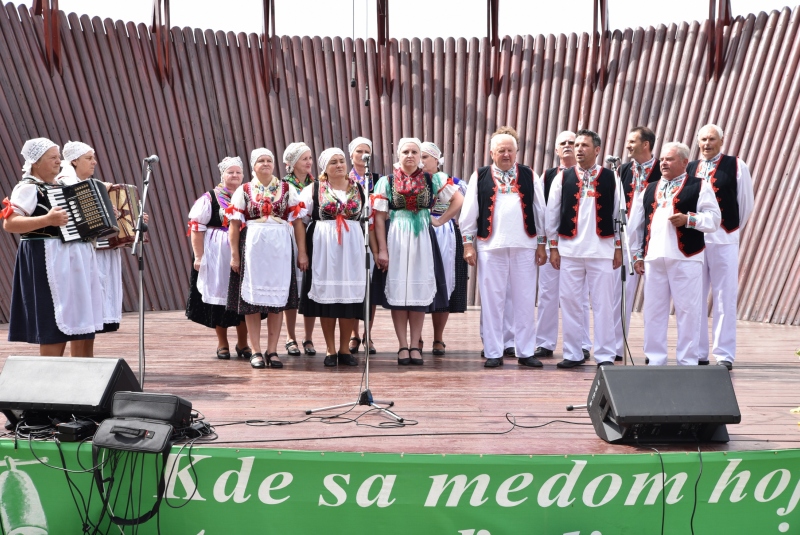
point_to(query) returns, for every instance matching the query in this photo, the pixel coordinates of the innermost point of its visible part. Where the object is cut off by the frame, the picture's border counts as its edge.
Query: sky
(411, 18)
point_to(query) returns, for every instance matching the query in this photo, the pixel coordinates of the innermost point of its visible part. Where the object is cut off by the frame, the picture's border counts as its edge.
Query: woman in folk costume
(298, 161)
(413, 279)
(332, 251)
(263, 279)
(361, 148)
(211, 269)
(448, 237)
(55, 297)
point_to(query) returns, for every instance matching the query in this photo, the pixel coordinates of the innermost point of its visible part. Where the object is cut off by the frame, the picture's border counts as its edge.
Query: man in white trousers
(642, 169)
(547, 313)
(585, 247)
(502, 224)
(733, 186)
(674, 215)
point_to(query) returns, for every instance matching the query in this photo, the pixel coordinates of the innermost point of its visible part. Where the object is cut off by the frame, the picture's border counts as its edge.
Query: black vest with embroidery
(424, 199)
(487, 191)
(216, 220)
(42, 208)
(626, 177)
(316, 214)
(603, 201)
(725, 187)
(690, 241)
(549, 176)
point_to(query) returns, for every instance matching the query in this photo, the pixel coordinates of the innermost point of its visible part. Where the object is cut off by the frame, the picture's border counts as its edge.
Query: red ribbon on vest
(341, 222)
(8, 210)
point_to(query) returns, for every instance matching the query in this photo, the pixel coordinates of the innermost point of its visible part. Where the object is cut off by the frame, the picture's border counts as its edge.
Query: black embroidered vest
(605, 184)
(690, 241)
(316, 214)
(549, 175)
(487, 191)
(216, 220)
(626, 177)
(726, 188)
(42, 208)
(424, 199)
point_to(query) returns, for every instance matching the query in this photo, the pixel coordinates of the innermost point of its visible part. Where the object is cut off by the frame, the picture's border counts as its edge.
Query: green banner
(231, 491)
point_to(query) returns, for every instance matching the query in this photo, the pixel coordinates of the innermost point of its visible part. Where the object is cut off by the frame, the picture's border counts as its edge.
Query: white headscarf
(351, 148)
(326, 156)
(74, 150)
(404, 142)
(433, 150)
(293, 153)
(255, 155)
(33, 150)
(227, 162)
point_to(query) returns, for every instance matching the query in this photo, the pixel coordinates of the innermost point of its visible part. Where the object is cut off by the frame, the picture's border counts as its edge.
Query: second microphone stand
(365, 397)
(138, 250)
(621, 222)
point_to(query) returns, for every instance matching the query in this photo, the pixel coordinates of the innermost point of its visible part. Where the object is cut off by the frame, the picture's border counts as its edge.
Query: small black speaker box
(54, 386)
(661, 404)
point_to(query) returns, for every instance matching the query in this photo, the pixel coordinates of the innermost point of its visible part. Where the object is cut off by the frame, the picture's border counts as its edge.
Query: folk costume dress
(109, 268)
(208, 287)
(415, 280)
(448, 236)
(55, 296)
(267, 281)
(298, 186)
(334, 284)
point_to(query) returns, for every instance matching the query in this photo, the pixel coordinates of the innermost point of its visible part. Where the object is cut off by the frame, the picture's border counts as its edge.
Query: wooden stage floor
(459, 406)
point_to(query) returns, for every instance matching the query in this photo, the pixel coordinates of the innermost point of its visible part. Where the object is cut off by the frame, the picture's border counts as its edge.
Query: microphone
(353, 72)
(151, 159)
(365, 158)
(613, 159)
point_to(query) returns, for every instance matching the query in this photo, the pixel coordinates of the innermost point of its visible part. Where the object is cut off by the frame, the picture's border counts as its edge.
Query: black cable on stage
(663, 483)
(696, 483)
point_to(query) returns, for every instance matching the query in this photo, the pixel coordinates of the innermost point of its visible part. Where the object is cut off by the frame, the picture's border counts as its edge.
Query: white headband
(293, 153)
(227, 162)
(351, 148)
(326, 156)
(33, 150)
(431, 149)
(258, 153)
(75, 149)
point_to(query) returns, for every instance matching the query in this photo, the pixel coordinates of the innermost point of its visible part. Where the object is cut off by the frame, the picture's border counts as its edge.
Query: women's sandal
(438, 352)
(372, 350)
(419, 361)
(292, 349)
(257, 361)
(346, 359)
(357, 340)
(244, 353)
(223, 353)
(274, 363)
(310, 351)
(330, 360)
(403, 362)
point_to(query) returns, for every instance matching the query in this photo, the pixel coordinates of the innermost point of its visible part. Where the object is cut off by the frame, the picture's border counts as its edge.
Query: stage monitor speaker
(63, 386)
(660, 404)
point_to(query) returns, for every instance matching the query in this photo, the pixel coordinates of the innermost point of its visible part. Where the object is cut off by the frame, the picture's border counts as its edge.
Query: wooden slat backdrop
(110, 97)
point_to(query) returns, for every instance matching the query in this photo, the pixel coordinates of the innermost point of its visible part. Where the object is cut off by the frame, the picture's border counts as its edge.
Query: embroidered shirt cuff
(541, 240)
(638, 256)
(692, 221)
(554, 244)
(617, 243)
(467, 238)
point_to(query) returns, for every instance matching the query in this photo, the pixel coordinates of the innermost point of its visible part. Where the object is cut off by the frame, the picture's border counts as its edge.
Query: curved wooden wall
(109, 96)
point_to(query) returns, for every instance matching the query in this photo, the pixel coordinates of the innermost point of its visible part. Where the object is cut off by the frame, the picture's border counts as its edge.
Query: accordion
(89, 209)
(125, 199)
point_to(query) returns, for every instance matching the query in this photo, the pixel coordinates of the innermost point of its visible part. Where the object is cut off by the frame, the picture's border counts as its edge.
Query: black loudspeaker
(660, 404)
(54, 386)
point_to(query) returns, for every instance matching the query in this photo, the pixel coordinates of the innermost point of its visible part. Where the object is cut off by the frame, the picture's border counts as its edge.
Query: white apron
(73, 275)
(446, 237)
(109, 264)
(215, 267)
(410, 280)
(337, 271)
(268, 263)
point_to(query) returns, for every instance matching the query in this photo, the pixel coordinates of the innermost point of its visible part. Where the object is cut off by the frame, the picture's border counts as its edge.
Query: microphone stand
(138, 250)
(365, 397)
(621, 222)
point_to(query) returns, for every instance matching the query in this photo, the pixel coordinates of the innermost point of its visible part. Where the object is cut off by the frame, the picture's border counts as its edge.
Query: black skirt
(211, 316)
(440, 299)
(239, 305)
(458, 299)
(33, 317)
(309, 307)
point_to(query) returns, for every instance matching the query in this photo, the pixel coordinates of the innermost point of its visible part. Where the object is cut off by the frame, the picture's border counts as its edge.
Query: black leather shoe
(483, 356)
(531, 362)
(647, 360)
(728, 364)
(346, 359)
(404, 361)
(257, 361)
(223, 353)
(542, 352)
(586, 354)
(606, 363)
(618, 358)
(509, 352)
(417, 361)
(702, 363)
(493, 363)
(330, 361)
(566, 364)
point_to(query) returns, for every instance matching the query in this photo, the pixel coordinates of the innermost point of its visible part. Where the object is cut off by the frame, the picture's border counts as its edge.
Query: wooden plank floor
(459, 406)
